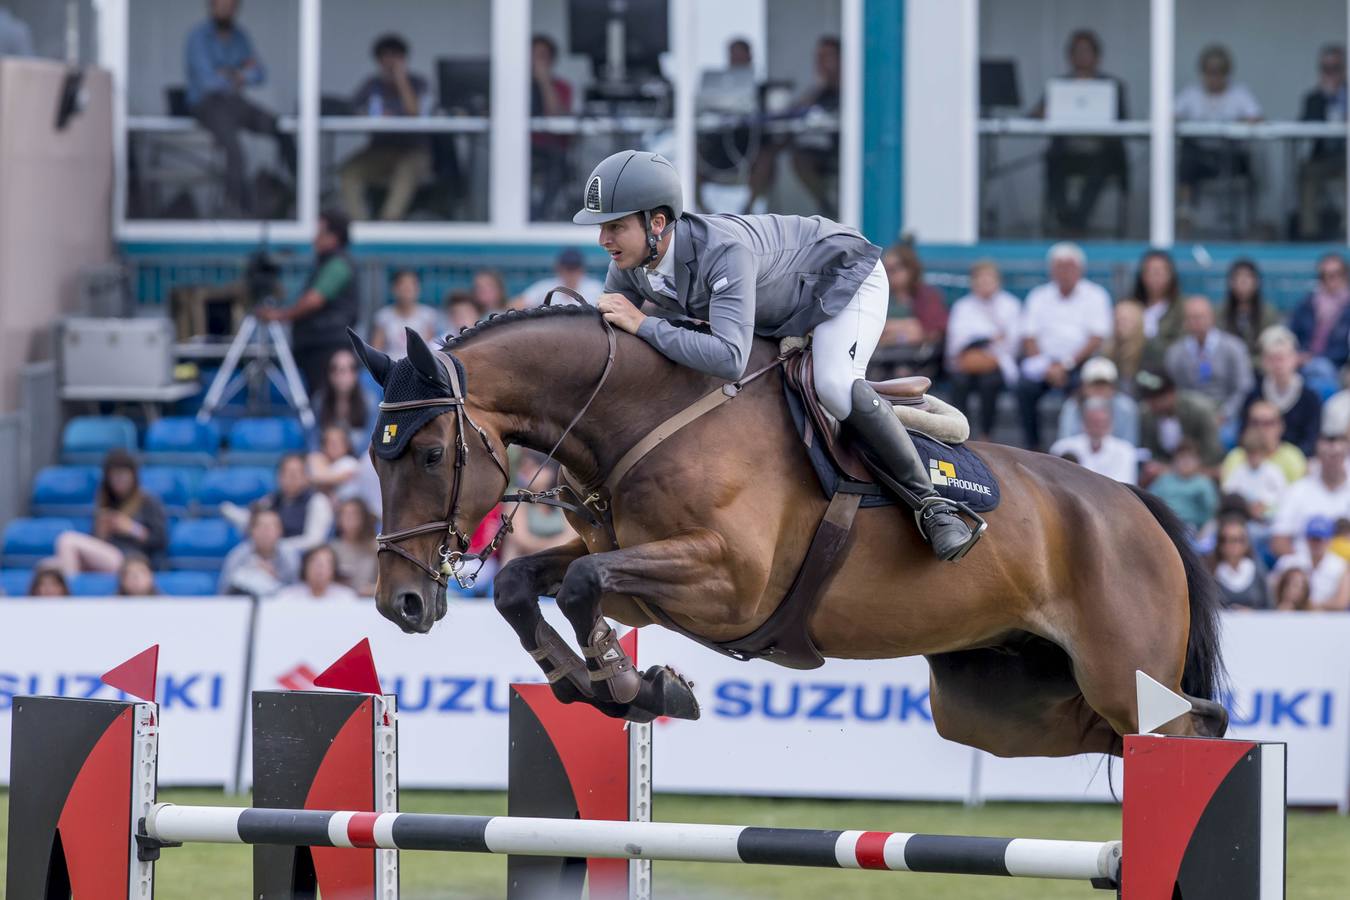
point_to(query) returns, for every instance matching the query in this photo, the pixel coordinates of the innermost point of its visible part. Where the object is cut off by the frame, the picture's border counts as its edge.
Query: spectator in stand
(1255, 478)
(550, 96)
(1214, 99)
(916, 320)
(569, 270)
(1265, 421)
(221, 63)
(1096, 160)
(16, 38)
(1292, 590)
(1157, 287)
(1063, 324)
(1328, 574)
(334, 468)
(1236, 567)
(1100, 379)
(461, 311)
(1281, 385)
(306, 515)
(1097, 449)
(1167, 417)
(1321, 323)
(395, 161)
(136, 578)
(1245, 313)
(982, 343)
(345, 401)
(489, 291)
(1210, 362)
(1325, 165)
(537, 527)
(127, 520)
(407, 311)
(327, 306)
(1127, 347)
(318, 578)
(263, 563)
(354, 545)
(1187, 489)
(48, 580)
(1325, 492)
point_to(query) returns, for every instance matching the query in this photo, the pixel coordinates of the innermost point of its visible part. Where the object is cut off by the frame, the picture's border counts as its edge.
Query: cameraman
(327, 307)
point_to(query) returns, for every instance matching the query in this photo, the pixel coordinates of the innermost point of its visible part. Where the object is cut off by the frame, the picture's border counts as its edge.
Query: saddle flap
(799, 374)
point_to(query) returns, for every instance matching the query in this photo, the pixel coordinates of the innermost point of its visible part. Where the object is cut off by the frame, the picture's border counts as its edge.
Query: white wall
(940, 146)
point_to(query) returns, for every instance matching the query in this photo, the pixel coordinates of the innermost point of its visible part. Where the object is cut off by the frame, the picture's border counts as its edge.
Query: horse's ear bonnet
(419, 376)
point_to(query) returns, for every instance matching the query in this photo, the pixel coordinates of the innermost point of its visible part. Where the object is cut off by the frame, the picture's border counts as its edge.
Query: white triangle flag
(1158, 705)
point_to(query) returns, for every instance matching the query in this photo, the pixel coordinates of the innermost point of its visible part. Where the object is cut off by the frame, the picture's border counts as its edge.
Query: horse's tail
(1203, 676)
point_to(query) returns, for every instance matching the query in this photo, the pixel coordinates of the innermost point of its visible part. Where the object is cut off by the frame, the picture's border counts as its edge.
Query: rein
(452, 559)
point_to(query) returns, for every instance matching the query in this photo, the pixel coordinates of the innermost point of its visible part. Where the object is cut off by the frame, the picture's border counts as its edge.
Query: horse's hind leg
(516, 591)
(1019, 700)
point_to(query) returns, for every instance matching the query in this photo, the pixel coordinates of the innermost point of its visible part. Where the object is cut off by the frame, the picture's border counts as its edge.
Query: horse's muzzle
(415, 615)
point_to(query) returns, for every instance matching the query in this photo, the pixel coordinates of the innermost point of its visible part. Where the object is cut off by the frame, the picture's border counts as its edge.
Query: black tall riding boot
(902, 471)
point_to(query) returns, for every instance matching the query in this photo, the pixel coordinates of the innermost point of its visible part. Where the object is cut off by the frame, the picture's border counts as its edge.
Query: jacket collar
(685, 260)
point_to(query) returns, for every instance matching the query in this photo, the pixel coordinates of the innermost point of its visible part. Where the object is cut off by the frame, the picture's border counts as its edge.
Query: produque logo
(943, 474)
(390, 432)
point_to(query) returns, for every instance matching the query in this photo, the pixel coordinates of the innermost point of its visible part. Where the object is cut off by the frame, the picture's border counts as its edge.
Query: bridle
(453, 551)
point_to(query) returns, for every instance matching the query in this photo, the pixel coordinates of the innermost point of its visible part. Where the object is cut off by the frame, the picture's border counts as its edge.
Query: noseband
(454, 548)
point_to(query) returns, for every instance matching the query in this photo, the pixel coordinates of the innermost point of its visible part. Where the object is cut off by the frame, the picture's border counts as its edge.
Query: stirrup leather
(926, 509)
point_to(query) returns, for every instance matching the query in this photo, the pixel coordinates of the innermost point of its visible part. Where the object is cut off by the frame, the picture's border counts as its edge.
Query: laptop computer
(1081, 101)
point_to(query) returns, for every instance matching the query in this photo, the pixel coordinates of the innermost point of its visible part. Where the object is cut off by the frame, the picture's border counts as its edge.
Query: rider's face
(625, 241)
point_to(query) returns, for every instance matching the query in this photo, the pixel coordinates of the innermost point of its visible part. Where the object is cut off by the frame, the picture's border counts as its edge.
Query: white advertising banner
(62, 647)
(1290, 681)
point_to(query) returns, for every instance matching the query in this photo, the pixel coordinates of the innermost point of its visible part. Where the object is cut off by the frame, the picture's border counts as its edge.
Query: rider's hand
(620, 312)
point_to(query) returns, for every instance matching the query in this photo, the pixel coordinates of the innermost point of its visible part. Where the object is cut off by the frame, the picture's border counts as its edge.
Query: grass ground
(1319, 851)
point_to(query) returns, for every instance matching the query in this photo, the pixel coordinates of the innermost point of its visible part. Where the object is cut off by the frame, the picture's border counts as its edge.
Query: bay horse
(1032, 640)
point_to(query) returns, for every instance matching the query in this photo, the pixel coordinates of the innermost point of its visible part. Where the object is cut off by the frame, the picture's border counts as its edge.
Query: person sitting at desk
(1096, 160)
(732, 93)
(815, 156)
(395, 161)
(1326, 163)
(1214, 99)
(549, 96)
(220, 64)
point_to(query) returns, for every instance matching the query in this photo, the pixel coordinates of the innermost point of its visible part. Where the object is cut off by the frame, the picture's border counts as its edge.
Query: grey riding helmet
(631, 181)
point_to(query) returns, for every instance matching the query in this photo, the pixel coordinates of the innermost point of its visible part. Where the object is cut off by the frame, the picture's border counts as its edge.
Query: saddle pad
(957, 472)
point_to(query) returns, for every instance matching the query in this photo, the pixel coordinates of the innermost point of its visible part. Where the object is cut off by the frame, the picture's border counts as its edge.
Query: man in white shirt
(1323, 493)
(1097, 449)
(1328, 574)
(570, 271)
(1064, 323)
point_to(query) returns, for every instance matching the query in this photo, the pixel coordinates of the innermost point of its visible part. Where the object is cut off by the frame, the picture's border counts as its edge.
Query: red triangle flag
(136, 676)
(354, 671)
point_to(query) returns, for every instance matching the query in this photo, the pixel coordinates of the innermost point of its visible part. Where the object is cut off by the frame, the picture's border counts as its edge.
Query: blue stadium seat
(181, 441)
(14, 582)
(94, 584)
(234, 484)
(200, 545)
(187, 584)
(172, 485)
(65, 491)
(86, 439)
(29, 541)
(262, 442)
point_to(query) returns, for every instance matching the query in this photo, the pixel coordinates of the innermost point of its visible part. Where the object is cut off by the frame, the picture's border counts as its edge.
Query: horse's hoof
(674, 695)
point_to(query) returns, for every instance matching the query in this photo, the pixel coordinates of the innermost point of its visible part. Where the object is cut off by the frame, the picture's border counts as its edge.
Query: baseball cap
(1151, 384)
(1320, 528)
(1100, 369)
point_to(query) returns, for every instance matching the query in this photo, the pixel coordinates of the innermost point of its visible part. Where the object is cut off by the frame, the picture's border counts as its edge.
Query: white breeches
(842, 346)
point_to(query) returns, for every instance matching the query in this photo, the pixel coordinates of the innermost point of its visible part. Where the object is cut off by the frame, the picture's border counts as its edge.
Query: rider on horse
(776, 276)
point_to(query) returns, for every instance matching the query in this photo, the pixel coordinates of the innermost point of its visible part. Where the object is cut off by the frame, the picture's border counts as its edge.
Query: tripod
(259, 370)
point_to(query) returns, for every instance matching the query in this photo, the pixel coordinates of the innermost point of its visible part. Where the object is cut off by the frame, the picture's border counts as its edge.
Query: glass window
(1260, 107)
(1064, 119)
(404, 107)
(212, 94)
(768, 107)
(587, 102)
(40, 28)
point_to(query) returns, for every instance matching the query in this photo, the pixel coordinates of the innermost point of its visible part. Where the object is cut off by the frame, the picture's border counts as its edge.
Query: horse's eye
(434, 456)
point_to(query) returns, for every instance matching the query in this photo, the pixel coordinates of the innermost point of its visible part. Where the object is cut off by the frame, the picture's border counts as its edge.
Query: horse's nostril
(410, 607)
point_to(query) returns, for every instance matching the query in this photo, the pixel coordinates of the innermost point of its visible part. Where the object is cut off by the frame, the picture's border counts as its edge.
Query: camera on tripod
(262, 279)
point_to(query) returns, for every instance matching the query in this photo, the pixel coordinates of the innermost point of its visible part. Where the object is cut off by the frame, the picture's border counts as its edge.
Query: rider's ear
(376, 362)
(420, 355)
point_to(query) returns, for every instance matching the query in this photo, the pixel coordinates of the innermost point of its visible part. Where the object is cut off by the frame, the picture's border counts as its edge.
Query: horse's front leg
(679, 572)
(516, 591)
